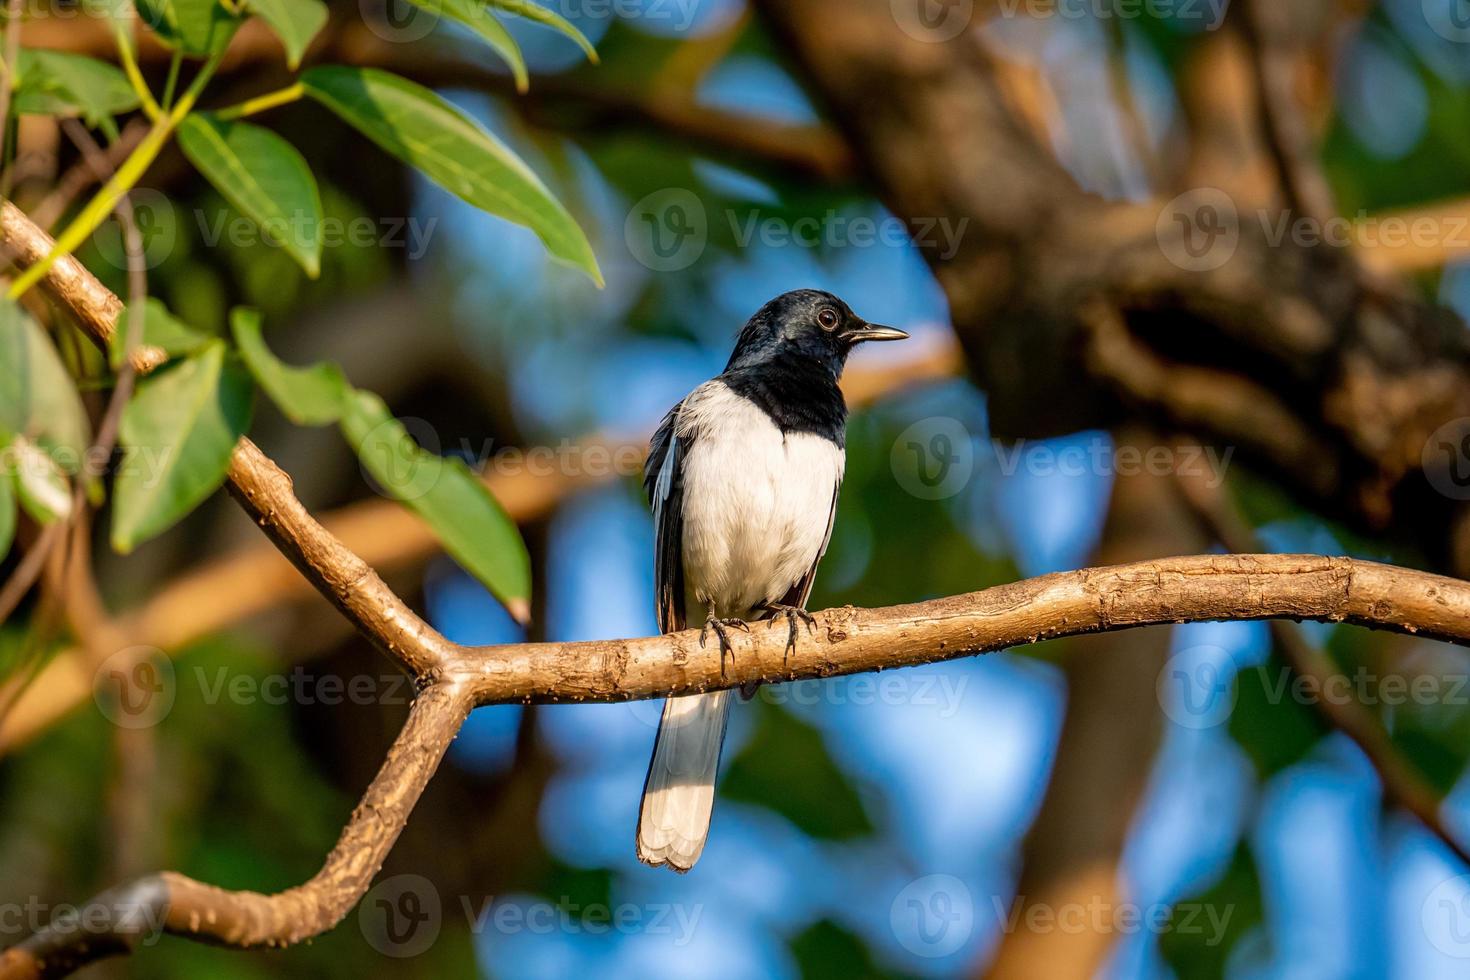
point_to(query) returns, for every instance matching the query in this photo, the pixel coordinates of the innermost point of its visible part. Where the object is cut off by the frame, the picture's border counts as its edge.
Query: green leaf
(421, 129)
(464, 515)
(827, 951)
(37, 397)
(160, 329)
(315, 395)
(477, 17)
(179, 430)
(109, 9)
(295, 22)
(1270, 721)
(196, 27)
(531, 10)
(55, 83)
(43, 488)
(575, 887)
(264, 177)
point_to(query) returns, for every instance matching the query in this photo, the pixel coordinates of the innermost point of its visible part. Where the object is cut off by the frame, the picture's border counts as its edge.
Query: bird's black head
(805, 325)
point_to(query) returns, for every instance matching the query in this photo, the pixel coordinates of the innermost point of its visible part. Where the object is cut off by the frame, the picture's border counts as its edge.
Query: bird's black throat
(799, 394)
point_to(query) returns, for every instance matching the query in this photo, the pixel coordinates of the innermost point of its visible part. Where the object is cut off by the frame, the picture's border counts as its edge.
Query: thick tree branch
(849, 640)
(845, 641)
(1111, 728)
(264, 490)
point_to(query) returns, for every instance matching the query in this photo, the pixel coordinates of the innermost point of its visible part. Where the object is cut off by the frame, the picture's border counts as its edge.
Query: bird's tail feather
(679, 792)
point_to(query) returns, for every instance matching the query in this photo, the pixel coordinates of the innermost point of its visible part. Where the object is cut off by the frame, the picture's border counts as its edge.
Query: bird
(743, 476)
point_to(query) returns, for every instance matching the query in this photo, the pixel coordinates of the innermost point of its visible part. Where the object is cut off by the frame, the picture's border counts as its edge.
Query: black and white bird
(743, 477)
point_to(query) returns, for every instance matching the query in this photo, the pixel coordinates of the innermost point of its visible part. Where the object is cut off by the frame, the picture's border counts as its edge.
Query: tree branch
(386, 536)
(265, 492)
(1401, 782)
(843, 641)
(1273, 32)
(848, 640)
(115, 921)
(261, 488)
(1111, 728)
(95, 307)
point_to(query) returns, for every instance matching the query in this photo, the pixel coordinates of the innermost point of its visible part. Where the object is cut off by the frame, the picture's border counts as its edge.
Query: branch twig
(30, 567)
(1268, 28)
(95, 307)
(182, 906)
(84, 173)
(262, 489)
(814, 151)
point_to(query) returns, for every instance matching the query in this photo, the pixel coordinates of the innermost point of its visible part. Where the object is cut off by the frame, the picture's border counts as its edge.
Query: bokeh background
(897, 825)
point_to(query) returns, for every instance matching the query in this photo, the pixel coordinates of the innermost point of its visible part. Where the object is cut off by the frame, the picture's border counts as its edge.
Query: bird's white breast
(756, 502)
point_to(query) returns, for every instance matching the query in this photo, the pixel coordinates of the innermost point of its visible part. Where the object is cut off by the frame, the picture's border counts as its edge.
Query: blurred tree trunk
(1109, 737)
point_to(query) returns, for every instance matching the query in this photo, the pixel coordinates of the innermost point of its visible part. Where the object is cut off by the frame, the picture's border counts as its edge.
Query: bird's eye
(828, 318)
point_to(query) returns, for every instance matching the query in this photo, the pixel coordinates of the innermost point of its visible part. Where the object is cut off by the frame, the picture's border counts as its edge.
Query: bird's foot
(720, 626)
(792, 614)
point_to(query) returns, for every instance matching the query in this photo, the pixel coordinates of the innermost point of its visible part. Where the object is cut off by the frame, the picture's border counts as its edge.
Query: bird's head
(806, 323)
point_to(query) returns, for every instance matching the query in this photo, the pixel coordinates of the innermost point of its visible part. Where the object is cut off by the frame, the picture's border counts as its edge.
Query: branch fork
(453, 679)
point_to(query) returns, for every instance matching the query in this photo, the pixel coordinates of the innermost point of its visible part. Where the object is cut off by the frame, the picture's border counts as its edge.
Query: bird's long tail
(679, 791)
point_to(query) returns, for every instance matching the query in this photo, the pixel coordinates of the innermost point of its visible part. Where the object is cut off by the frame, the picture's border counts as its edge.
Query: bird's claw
(792, 614)
(720, 626)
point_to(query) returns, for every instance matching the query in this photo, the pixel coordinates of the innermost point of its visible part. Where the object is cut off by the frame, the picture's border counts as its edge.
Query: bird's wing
(802, 590)
(663, 480)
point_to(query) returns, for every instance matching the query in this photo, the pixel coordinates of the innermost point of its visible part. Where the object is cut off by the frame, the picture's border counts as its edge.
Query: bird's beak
(874, 331)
